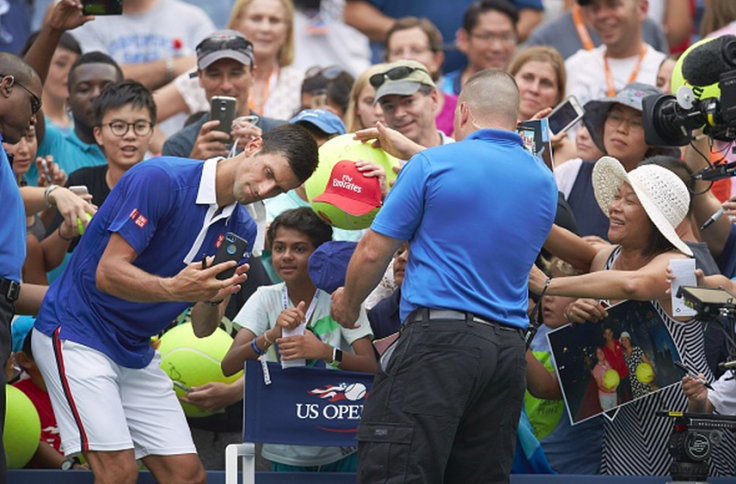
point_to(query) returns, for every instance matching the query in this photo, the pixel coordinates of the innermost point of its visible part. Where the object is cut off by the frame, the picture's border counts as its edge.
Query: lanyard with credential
(634, 74)
(577, 19)
(310, 309)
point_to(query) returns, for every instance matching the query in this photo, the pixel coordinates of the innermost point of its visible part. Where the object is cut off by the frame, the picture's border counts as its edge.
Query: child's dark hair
(304, 220)
(124, 93)
(26, 348)
(66, 42)
(94, 57)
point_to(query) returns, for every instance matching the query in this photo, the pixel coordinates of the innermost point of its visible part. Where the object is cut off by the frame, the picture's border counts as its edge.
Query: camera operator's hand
(210, 142)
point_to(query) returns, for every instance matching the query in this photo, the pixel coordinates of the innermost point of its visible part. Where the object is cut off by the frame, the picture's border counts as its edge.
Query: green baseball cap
(402, 78)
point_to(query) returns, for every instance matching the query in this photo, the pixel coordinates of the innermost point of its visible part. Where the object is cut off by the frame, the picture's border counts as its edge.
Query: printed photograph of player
(603, 366)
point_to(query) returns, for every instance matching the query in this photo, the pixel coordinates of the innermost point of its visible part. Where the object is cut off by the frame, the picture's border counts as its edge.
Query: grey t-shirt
(561, 34)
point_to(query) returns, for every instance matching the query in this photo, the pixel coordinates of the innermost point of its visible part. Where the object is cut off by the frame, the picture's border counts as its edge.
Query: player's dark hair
(296, 144)
(476, 9)
(302, 219)
(124, 93)
(93, 58)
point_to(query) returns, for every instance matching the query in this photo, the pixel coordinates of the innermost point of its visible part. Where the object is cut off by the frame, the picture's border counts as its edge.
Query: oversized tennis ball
(194, 361)
(80, 227)
(340, 149)
(22, 428)
(644, 373)
(701, 92)
(611, 379)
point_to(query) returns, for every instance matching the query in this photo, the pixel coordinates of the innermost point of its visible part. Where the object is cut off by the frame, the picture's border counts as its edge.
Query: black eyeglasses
(395, 74)
(225, 42)
(35, 101)
(120, 128)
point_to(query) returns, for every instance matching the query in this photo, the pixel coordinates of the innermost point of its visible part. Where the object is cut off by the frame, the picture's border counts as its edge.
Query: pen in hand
(712, 219)
(692, 374)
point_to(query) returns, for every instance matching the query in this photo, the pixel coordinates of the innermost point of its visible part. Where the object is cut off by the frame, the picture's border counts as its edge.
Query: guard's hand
(72, 207)
(389, 140)
(210, 142)
(341, 312)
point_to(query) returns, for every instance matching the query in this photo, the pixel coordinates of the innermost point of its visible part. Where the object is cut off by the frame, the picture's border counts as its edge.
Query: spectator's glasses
(120, 129)
(225, 42)
(395, 74)
(35, 101)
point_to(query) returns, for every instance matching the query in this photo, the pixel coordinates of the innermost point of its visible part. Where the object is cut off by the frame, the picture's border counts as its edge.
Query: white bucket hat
(663, 194)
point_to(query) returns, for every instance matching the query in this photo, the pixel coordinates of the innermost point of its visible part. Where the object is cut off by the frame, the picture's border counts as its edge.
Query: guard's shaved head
(20, 89)
(492, 99)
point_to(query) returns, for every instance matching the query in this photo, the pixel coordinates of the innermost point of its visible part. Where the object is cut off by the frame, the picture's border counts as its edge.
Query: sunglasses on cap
(330, 73)
(225, 42)
(394, 74)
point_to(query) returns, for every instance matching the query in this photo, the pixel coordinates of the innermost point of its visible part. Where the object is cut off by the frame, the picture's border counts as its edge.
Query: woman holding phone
(539, 72)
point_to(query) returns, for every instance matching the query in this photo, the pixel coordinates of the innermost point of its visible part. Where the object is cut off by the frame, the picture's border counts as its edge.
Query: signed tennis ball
(80, 227)
(22, 428)
(194, 361)
(611, 379)
(644, 373)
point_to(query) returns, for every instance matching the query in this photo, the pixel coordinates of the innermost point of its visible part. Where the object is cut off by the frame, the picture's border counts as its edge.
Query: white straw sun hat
(663, 194)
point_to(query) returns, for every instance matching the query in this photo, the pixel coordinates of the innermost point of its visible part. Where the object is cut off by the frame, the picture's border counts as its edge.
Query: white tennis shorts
(102, 406)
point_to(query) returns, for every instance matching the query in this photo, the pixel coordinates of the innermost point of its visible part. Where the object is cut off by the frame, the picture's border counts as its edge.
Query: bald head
(20, 94)
(492, 99)
(11, 65)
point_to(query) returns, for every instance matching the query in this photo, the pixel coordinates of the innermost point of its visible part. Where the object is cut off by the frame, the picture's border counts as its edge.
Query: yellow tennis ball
(345, 148)
(644, 373)
(22, 428)
(611, 379)
(80, 227)
(194, 361)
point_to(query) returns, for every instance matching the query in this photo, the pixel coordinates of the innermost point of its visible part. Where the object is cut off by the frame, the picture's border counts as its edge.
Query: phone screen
(102, 7)
(562, 118)
(528, 137)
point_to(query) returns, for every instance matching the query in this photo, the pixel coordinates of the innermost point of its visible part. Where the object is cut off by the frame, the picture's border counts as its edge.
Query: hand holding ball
(80, 226)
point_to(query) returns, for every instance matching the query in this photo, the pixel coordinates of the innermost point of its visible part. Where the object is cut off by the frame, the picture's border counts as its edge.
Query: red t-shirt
(616, 358)
(42, 402)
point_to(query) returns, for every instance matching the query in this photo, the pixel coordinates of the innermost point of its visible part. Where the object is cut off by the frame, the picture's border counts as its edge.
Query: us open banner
(303, 406)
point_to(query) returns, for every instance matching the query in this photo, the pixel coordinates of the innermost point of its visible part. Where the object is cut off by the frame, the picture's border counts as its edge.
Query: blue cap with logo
(322, 119)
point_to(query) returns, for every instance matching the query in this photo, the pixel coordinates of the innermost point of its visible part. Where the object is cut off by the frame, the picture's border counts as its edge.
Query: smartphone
(222, 108)
(181, 386)
(102, 7)
(79, 190)
(565, 115)
(45, 167)
(232, 248)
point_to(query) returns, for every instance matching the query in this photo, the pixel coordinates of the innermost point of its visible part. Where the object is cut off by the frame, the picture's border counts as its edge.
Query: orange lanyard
(634, 74)
(259, 108)
(577, 19)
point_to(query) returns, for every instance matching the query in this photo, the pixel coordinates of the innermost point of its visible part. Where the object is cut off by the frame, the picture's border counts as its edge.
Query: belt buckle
(13, 291)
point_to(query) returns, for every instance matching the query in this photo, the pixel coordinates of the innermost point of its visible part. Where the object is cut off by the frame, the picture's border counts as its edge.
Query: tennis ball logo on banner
(340, 194)
(340, 407)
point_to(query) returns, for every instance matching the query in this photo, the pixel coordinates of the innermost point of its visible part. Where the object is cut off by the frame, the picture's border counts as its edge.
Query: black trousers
(444, 406)
(6, 315)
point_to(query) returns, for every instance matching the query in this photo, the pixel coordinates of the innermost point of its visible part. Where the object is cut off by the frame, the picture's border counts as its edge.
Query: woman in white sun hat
(643, 206)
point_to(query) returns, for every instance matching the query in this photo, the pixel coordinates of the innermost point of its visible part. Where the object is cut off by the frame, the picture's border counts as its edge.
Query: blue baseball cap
(322, 119)
(19, 329)
(329, 263)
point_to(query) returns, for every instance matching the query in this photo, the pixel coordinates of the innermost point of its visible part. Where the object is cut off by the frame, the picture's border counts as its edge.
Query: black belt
(450, 314)
(9, 289)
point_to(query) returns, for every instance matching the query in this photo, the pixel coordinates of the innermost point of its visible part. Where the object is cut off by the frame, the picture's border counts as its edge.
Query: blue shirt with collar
(13, 227)
(70, 152)
(476, 214)
(161, 207)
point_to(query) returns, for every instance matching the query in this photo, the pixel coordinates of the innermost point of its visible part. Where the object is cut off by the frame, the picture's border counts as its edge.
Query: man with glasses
(622, 58)
(447, 396)
(408, 97)
(225, 68)
(145, 257)
(487, 37)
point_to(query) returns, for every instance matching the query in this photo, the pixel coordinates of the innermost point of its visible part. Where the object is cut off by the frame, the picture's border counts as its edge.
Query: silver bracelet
(46, 194)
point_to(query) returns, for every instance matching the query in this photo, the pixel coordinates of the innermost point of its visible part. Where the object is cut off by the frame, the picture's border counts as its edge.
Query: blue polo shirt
(160, 207)
(70, 152)
(13, 227)
(476, 214)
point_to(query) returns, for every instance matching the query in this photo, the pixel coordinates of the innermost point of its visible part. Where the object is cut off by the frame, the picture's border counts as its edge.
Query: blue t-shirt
(476, 214)
(13, 227)
(154, 208)
(70, 152)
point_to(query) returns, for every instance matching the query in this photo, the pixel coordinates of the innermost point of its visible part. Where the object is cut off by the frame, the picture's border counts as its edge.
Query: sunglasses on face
(225, 42)
(395, 74)
(35, 101)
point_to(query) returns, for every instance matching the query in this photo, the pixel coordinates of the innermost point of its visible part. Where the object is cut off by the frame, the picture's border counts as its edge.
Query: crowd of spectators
(120, 89)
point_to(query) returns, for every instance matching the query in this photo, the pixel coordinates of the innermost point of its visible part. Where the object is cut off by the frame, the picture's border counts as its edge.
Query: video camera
(669, 120)
(691, 442)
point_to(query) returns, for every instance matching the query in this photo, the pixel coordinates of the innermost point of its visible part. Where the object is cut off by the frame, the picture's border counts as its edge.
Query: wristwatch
(68, 463)
(336, 357)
